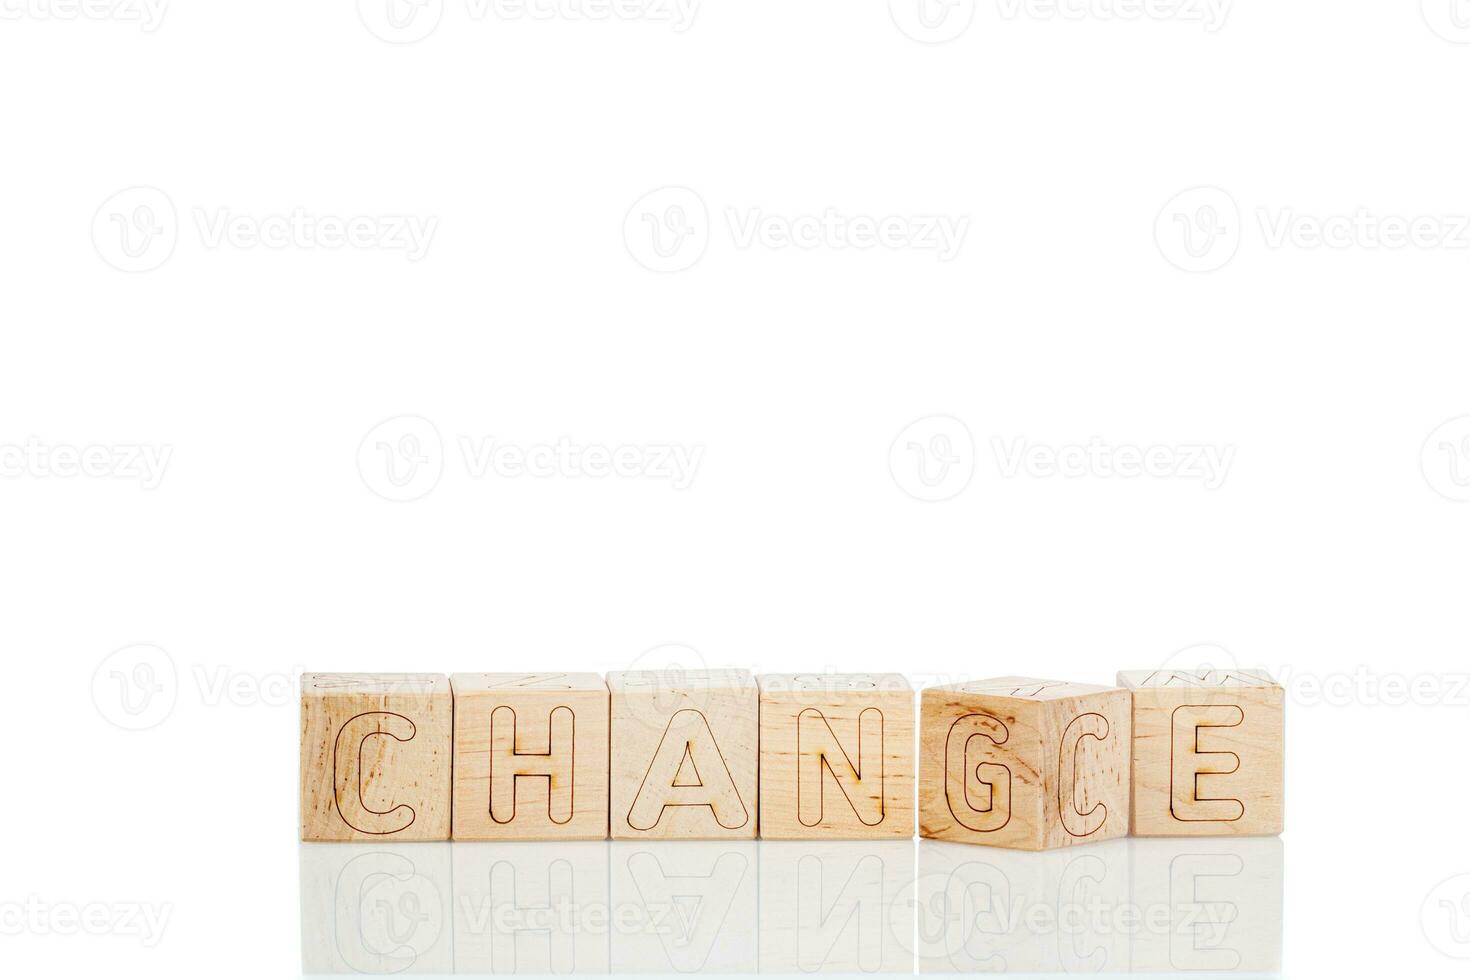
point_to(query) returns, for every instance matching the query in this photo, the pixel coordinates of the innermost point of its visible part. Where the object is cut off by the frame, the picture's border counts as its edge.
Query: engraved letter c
(350, 771)
(1075, 820)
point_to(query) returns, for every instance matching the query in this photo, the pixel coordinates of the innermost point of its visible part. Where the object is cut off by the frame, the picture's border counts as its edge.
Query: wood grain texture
(375, 756)
(684, 754)
(836, 756)
(530, 756)
(1208, 753)
(1024, 763)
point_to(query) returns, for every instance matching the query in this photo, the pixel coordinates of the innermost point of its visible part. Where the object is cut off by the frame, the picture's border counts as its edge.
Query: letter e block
(530, 756)
(837, 756)
(375, 756)
(1208, 752)
(1024, 763)
(684, 757)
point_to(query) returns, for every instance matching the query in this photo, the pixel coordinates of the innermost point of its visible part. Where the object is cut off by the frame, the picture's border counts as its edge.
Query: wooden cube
(530, 756)
(836, 756)
(684, 756)
(1024, 763)
(1208, 752)
(375, 756)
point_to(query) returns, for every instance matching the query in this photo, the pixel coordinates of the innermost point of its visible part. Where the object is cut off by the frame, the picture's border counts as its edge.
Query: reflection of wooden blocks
(376, 909)
(1024, 763)
(375, 756)
(539, 909)
(832, 906)
(530, 756)
(993, 910)
(1212, 907)
(684, 757)
(1208, 752)
(684, 907)
(836, 756)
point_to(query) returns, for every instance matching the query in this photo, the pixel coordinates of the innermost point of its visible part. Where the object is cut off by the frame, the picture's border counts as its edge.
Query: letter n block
(684, 756)
(530, 756)
(837, 756)
(375, 756)
(1208, 752)
(1024, 763)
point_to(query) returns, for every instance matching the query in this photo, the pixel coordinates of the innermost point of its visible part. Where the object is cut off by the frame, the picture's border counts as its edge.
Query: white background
(804, 378)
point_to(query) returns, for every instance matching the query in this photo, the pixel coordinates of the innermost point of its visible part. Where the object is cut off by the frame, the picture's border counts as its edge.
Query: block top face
(1024, 688)
(1184, 680)
(835, 685)
(329, 685)
(632, 681)
(510, 682)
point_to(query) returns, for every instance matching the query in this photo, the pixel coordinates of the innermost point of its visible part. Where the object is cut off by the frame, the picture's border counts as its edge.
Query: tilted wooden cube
(1208, 752)
(375, 756)
(530, 756)
(1024, 763)
(836, 756)
(684, 756)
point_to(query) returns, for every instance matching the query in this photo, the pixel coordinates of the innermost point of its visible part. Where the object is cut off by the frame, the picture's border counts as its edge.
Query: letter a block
(684, 756)
(375, 756)
(837, 756)
(530, 756)
(1024, 763)
(1208, 752)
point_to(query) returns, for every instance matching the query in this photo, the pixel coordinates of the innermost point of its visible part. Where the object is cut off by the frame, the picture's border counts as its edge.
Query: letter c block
(375, 757)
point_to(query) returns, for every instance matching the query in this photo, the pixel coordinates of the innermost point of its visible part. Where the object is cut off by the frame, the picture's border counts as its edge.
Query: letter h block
(1208, 752)
(684, 754)
(530, 756)
(375, 757)
(1024, 763)
(837, 756)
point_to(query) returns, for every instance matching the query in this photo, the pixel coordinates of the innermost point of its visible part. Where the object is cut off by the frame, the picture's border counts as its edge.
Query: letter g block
(1024, 763)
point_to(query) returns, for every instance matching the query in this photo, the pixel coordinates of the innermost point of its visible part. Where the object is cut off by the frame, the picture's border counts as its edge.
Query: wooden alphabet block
(836, 756)
(1208, 752)
(375, 756)
(1024, 763)
(684, 757)
(530, 756)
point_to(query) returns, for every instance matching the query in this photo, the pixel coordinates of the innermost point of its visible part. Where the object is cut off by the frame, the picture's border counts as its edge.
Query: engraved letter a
(688, 770)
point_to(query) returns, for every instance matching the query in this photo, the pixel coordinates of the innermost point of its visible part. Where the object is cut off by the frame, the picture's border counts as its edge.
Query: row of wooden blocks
(1011, 762)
